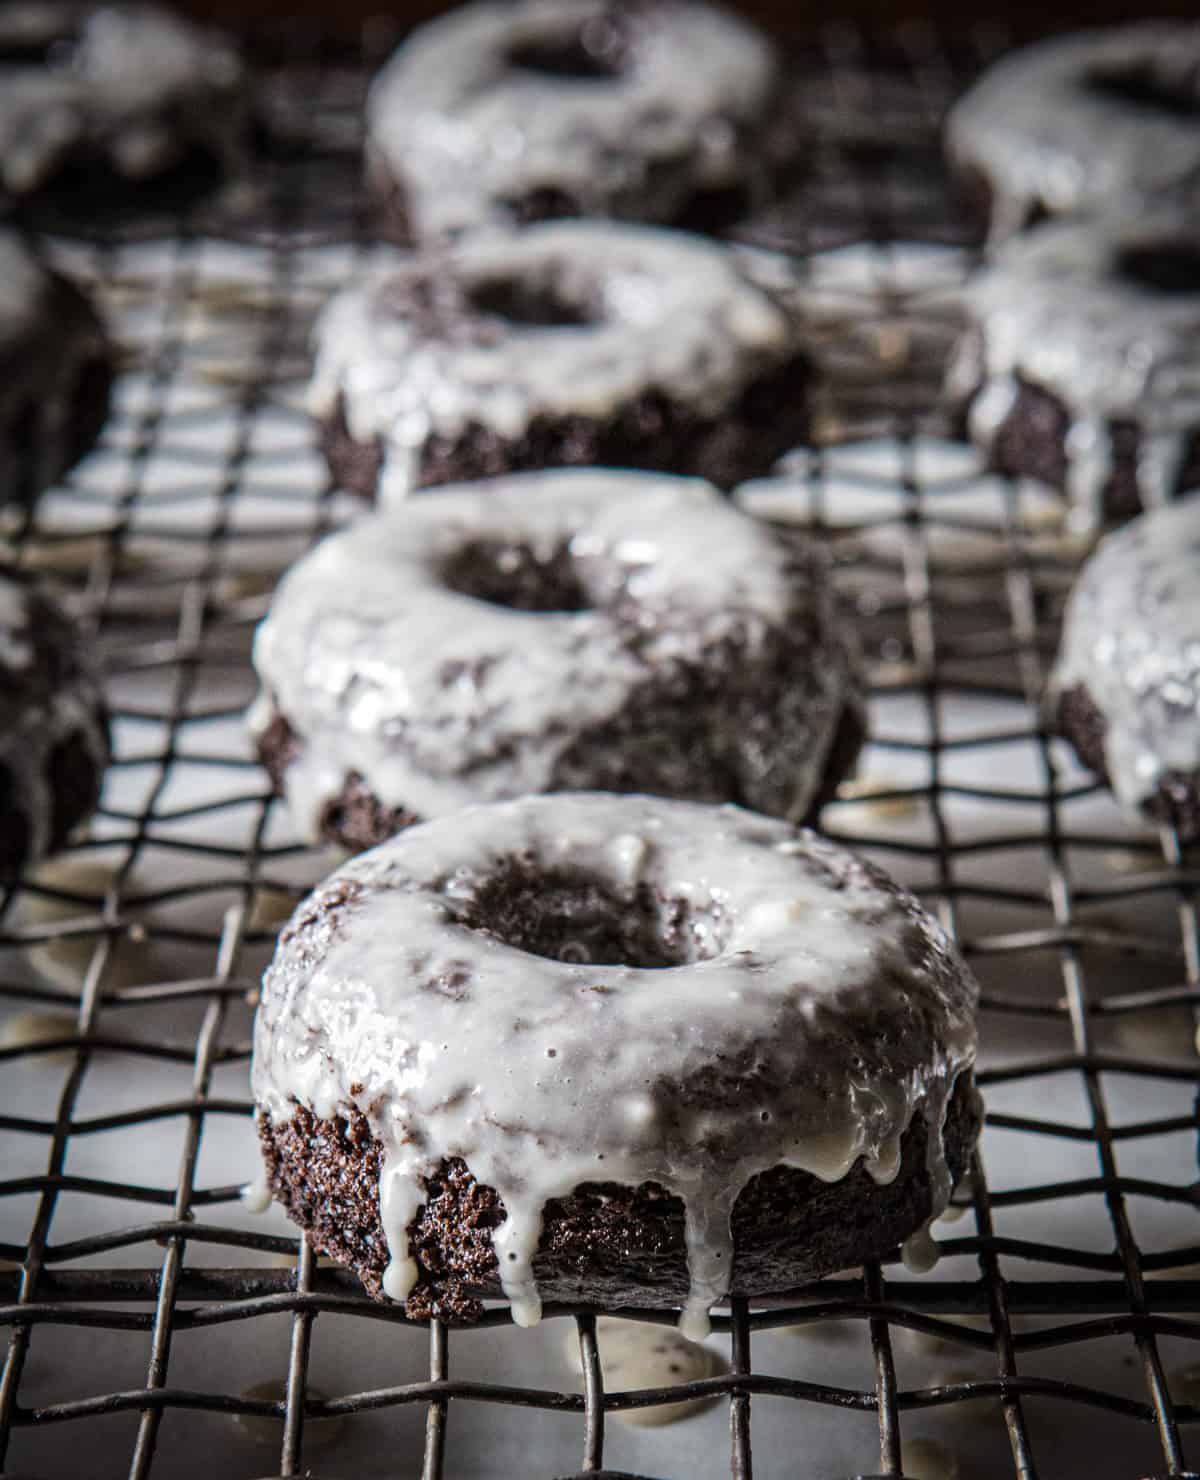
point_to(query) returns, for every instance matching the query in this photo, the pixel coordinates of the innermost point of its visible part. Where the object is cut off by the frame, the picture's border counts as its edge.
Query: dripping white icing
(37, 717)
(838, 1009)
(665, 310)
(919, 1252)
(1131, 637)
(1055, 309)
(132, 82)
(437, 699)
(466, 133)
(256, 1195)
(1041, 136)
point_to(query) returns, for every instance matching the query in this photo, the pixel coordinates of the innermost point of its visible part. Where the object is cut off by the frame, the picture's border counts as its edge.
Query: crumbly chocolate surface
(1176, 801)
(604, 1245)
(651, 431)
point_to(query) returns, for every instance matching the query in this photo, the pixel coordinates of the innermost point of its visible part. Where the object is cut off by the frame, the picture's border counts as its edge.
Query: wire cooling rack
(156, 1327)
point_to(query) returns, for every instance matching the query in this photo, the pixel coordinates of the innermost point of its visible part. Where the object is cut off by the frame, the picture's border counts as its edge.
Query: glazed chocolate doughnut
(1126, 688)
(1078, 365)
(550, 632)
(503, 114)
(1081, 123)
(53, 724)
(574, 343)
(99, 98)
(55, 373)
(613, 1050)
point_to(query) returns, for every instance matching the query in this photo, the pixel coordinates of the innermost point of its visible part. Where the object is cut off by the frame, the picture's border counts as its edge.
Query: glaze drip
(828, 1012)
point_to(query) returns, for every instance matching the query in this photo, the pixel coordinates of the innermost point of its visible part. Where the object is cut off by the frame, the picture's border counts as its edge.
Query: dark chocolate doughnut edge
(652, 431)
(604, 1245)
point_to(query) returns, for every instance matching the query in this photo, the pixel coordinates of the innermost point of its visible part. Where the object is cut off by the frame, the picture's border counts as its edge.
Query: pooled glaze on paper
(1040, 137)
(839, 1009)
(128, 81)
(37, 716)
(1131, 638)
(672, 312)
(1053, 310)
(437, 699)
(465, 133)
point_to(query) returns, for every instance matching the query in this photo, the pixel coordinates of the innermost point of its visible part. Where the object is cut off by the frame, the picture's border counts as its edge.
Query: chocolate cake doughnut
(502, 114)
(53, 723)
(55, 373)
(572, 343)
(1078, 365)
(1126, 687)
(550, 632)
(97, 99)
(611, 1050)
(1081, 123)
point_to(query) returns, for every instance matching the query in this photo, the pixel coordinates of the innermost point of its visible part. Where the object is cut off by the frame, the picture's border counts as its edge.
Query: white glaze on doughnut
(839, 1009)
(1131, 637)
(1052, 309)
(123, 70)
(463, 132)
(36, 718)
(676, 313)
(362, 634)
(1040, 137)
(46, 341)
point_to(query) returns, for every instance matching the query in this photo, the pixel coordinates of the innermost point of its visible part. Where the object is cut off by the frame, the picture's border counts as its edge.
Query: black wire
(873, 108)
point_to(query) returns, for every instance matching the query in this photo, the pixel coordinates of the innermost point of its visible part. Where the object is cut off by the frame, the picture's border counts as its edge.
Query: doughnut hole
(594, 52)
(526, 304)
(518, 576)
(567, 914)
(1166, 268)
(1142, 86)
(38, 46)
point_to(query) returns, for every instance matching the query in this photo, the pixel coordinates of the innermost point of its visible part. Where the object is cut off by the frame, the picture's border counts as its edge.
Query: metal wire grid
(171, 569)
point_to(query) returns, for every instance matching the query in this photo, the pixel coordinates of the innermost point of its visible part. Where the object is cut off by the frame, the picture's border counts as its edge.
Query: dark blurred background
(788, 18)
